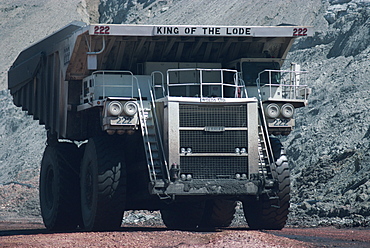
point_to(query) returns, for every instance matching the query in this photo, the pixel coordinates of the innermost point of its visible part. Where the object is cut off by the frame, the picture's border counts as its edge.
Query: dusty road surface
(17, 234)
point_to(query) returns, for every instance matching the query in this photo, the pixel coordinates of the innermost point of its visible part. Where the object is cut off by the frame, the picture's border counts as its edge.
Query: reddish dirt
(34, 235)
(328, 236)
(28, 234)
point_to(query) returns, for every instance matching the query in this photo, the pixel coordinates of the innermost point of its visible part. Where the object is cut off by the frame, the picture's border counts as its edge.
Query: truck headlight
(130, 108)
(115, 108)
(272, 110)
(287, 110)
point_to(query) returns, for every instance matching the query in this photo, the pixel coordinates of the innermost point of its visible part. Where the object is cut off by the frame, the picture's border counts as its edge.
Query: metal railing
(289, 81)
(158, 86)
(200, 82)
(124, 84)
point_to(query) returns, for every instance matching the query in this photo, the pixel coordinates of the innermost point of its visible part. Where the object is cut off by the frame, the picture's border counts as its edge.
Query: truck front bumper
(208, 187)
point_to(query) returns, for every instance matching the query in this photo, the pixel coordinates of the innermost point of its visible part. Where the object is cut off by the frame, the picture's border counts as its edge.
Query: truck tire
(103, 184)
(183, 215)
(59, 187)
(267, 212)
(276, 147)
(218, 213)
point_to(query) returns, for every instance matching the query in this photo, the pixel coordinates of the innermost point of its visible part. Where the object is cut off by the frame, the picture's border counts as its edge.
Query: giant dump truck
(178, 118)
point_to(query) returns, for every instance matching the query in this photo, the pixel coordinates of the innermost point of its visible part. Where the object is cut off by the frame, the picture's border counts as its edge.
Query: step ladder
(155, 157)
(266, 158)
(152, 146)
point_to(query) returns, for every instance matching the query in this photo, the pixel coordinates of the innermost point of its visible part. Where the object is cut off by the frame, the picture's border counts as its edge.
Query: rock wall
(132, 11)
(330, 146)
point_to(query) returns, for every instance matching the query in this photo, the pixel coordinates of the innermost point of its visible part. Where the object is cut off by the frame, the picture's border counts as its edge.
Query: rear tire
(218, 213)
(267, 213)
(59, 187)
(103, 184)
(183, 215)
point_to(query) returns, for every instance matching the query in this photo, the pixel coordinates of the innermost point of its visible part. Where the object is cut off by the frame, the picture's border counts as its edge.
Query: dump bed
(46, 79)
(37, 77)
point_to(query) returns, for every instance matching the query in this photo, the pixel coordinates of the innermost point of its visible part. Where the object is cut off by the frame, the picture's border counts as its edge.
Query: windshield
(250, 72)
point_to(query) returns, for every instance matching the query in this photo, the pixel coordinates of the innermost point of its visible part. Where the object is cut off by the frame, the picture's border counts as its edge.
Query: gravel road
(33, 234)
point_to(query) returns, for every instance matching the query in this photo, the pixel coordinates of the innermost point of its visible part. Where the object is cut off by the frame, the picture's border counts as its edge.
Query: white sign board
(186, 30)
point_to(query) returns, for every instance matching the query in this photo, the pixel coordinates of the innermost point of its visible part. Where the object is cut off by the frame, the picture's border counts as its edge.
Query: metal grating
(213, 116)
(205, 142)
(213, 167)
(213, 142)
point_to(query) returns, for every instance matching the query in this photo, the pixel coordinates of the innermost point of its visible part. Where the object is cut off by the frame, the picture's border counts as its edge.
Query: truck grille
(213, 167)
(213, 142)
(222, 162)
(210, 115)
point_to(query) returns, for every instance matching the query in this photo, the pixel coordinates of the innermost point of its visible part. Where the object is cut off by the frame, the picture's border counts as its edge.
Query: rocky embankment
(22, 140)
(330, 147)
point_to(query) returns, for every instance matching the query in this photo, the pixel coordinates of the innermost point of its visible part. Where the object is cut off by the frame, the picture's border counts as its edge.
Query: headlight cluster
(184, 150)
(241, 176)
(186, 177)
(273, 110)
(116, 108)
(241, 150)
(287, 110)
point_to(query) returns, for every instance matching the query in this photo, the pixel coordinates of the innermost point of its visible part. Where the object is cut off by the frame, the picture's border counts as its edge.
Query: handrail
(292, 87)
(162, 82)
(103, 72)
(242, 86)
(159, 135)
(270, 70)
(95, 53)
(201, 83)
(265, 133)
(145, 132)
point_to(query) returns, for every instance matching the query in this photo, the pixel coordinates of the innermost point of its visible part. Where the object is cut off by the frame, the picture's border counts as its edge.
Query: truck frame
(178, 118)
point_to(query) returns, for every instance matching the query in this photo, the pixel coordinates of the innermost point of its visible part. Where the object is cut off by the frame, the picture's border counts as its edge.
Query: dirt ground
(33, 234)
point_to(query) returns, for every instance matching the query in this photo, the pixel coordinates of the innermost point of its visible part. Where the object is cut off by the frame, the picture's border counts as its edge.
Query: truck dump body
(33, 82)
(177, 118)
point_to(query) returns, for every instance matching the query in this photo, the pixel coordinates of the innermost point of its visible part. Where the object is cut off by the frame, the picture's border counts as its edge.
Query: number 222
(101, 30)
(299, 31)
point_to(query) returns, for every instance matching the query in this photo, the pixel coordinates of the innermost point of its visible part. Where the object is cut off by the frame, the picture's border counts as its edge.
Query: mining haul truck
(183, 119)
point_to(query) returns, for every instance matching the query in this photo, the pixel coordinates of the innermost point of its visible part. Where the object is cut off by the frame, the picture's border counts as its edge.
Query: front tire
(59, 187)
(268, 212)
(103, 184)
